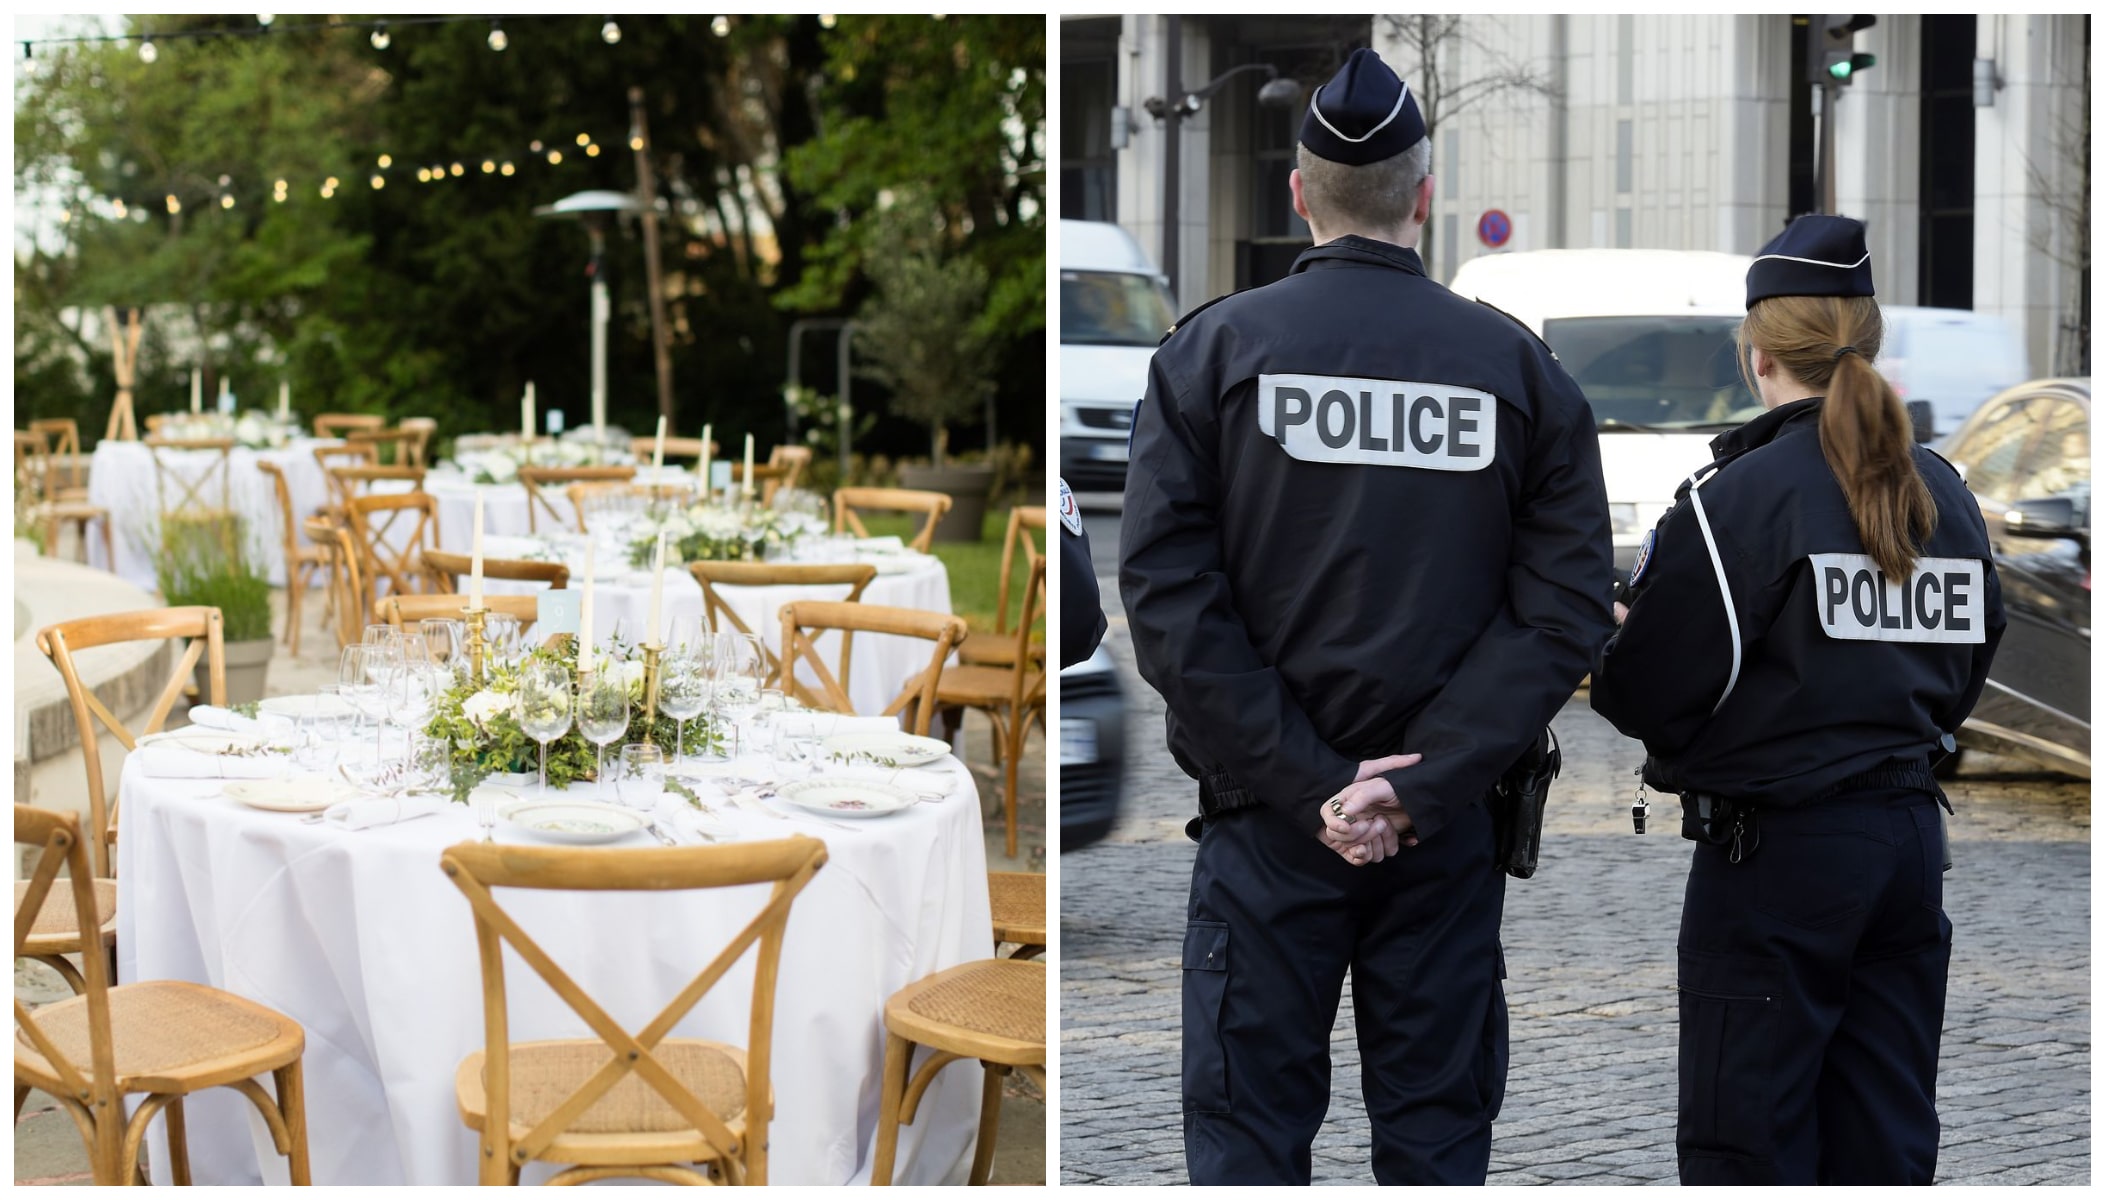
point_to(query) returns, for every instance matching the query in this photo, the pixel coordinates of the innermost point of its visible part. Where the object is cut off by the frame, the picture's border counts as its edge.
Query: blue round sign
(1494, 228)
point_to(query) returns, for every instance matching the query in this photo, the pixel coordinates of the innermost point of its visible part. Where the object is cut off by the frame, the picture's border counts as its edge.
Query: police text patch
(1379, 422)
(1940, 601)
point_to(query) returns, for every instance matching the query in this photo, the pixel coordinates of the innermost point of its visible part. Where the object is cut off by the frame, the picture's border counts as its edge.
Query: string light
(380, 39)
(555, 158)
(534, 145)
(379, 181)
(226, 201)
(497, 39)
(423, 174)
(635, 143)
(332, 183)
(828, 20)
(386, 161)
(118, 207)
(592, 151)
(721, 27)
(506, 169)
(610, 33)
(489, 166)
(174, 205)
(584, 139)
(456, 169)
(264, 19)
(147, 53)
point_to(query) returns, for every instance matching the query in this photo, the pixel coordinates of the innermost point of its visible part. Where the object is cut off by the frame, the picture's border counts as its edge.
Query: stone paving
(1590, 953)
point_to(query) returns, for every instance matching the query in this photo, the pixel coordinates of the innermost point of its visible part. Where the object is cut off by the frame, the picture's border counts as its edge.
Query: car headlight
(1622, 520)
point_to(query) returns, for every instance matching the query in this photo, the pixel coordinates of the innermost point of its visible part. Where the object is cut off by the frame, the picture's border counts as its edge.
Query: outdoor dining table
(359, 937)
(505, 504)
(121, 478)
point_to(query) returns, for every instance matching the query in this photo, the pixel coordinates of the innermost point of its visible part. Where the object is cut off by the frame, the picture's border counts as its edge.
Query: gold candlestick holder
(478, 642)
(650, 692)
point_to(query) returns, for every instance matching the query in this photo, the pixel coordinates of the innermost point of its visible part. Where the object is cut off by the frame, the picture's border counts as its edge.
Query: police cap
(1815, 255)
(1363, 115)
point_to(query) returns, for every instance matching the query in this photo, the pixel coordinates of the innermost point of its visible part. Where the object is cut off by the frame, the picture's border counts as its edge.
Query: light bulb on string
(117, 207)
(423, 174)
(331, 184)
(379, 181)
(534, 146)
(226, 201)
(147, 52)
(174, 205)
(555, 158)
(497, 39)
(489, 167)
(380, 39)
(506, 169)
(592, 151)
(635, 141)
(828, 20)
(264, 19)
(584, 139)
(610, 33)
(721, 26)
(386, 161)
(456, 170)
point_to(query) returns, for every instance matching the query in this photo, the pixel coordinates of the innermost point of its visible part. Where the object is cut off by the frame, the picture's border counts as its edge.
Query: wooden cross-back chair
(62, 641)
(346, 578)
(805, 621)
(625, 1104)
(46, 499)
(329, 425)
(675, 447)
(767, 479)
(391, 447)
(365, 479)
(797, 459)
(451, 570)
(400, 610)
(535, 479)
(69, 477)
(720, 616)
(589, 499)
(330, 459)
(389, 554)
(163, 1039)
(196, 499)
(425, 430)
(155, 422)
(1012, 696)
(850, 502)
(991, 1011)
(998, 649)
(300, 560)
(32, 466)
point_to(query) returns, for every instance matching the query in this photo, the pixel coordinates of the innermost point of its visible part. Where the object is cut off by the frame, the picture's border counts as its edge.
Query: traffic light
(1831, 55)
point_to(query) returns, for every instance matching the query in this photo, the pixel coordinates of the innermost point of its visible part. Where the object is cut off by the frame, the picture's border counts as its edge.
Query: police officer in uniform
(1365, 557)
(1082, 621)
(1806, 628)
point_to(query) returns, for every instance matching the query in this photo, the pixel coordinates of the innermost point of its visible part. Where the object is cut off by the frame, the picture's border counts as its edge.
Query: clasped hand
(1365, 823)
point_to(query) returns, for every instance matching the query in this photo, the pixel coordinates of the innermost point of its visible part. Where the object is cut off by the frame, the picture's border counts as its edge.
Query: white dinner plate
(302, 706)
(575, 822)
(847, 797)
(885, 749)
(301, 795)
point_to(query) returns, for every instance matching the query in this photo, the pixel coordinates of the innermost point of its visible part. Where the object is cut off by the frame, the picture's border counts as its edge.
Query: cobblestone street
(1589, 945)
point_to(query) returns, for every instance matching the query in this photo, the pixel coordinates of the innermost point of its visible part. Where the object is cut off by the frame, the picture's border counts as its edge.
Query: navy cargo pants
(1277, 919)
(1812, 997)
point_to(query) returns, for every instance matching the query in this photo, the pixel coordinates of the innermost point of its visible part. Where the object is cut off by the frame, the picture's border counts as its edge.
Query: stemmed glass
(360, 677)
(543, 706)
(603, 714)
(683, 687)
(740, 675)
(413, 688)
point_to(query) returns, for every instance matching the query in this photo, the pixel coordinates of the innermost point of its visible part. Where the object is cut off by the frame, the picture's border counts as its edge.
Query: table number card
(557, 612)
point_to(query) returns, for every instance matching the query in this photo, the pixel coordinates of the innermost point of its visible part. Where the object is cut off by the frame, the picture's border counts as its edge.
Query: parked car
(1649, 337)
(1092, 750)
(1952, 358)
(1114, 308)
(2026, 457)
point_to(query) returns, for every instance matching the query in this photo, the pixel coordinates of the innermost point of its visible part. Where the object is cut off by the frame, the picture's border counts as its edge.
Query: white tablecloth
(360, 938)
(122, 480)
(882, 663)
(504, 506)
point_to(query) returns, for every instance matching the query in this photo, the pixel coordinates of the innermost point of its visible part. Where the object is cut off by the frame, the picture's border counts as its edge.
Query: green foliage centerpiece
(478, 723)
(723, 533)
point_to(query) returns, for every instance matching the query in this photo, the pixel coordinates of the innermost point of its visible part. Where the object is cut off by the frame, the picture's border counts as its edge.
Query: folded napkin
(173, 762)
(926, 782)
(211, 716)
(371, 811)
(825, 724)
(880, 545)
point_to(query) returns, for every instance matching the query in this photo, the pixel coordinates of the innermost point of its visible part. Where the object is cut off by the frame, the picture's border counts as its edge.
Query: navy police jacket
(1082, 621)
(1823, 669)
(1363, 517)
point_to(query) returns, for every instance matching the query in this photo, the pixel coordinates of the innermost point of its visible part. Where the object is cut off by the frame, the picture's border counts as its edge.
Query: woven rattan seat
(995, 649)
(1012, 696)
(992, 1010)
(1018, 899)
(544, 1074)
(172, 1036)
(57, 931)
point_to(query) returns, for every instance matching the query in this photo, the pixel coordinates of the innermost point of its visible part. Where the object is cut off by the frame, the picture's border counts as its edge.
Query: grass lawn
(975, 567)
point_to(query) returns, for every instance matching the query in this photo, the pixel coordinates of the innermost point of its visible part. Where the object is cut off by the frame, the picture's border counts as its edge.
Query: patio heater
(596, 211)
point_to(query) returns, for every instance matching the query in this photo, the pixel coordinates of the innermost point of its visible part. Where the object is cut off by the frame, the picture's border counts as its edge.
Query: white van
(1114, 309)
(1953, 358)
(1649, 336)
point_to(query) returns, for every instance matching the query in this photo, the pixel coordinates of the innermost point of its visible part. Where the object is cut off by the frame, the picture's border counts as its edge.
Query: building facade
(1964, 149)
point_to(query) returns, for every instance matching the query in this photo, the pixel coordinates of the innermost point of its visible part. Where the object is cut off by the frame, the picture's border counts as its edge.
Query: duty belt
(1736, 824)
(1219, 793)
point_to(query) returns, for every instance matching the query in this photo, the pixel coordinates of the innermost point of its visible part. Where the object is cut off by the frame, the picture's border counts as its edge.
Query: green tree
(924, 333)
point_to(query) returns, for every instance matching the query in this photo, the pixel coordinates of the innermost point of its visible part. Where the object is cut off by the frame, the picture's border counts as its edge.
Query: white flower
(484, 707)
(502, 469)
(632, 677)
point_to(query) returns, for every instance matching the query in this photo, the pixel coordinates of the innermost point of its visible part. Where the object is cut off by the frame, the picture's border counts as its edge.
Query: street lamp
(596, 210)
(1276, 93)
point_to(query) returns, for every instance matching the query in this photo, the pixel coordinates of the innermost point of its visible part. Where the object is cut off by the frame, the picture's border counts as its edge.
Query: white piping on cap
(1717, 564)
(1316, 106)
(1811, 262)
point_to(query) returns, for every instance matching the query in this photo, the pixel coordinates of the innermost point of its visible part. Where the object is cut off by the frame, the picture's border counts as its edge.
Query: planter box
(967, 488)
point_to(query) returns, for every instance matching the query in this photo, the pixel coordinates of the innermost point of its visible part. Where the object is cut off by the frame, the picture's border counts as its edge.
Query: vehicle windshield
(1655, 372)
(1113, 308)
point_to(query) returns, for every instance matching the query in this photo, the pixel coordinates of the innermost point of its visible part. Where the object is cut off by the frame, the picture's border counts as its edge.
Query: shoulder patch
(1070, 512)
(1186, 318)
(1644, 556)
(1524, 328)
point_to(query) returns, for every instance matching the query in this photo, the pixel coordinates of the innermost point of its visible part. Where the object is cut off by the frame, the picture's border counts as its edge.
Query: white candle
(475, 566)
(658, 450)
(657, 592)
(708, 431)
(749, 465)
(197, 391)
(526, 414)
(584, 620)
(284, 401)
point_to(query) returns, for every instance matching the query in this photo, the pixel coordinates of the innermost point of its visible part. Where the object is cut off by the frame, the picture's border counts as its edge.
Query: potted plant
(923, 335)
(201, 563)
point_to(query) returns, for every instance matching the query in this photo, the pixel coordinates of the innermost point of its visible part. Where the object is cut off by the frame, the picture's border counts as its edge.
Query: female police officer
(1805, 629)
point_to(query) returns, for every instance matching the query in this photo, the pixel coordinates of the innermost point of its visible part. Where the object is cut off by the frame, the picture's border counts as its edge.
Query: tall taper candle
(475, 566)
(749, 466)
(197, 391)
(708, 432)
(650, 631)
(658, 450)
(584, 620)
(284, 402)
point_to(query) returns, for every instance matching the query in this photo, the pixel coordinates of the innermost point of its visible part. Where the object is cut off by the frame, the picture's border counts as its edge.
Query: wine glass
(603, 713)
(360, 676)
(413, 688)
(642, 778)
(543, 707)
(740, 675)
(683, 687)
(448, 642)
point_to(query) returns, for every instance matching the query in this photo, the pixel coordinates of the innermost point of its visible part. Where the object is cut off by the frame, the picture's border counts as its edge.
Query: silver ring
(1337, 805)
